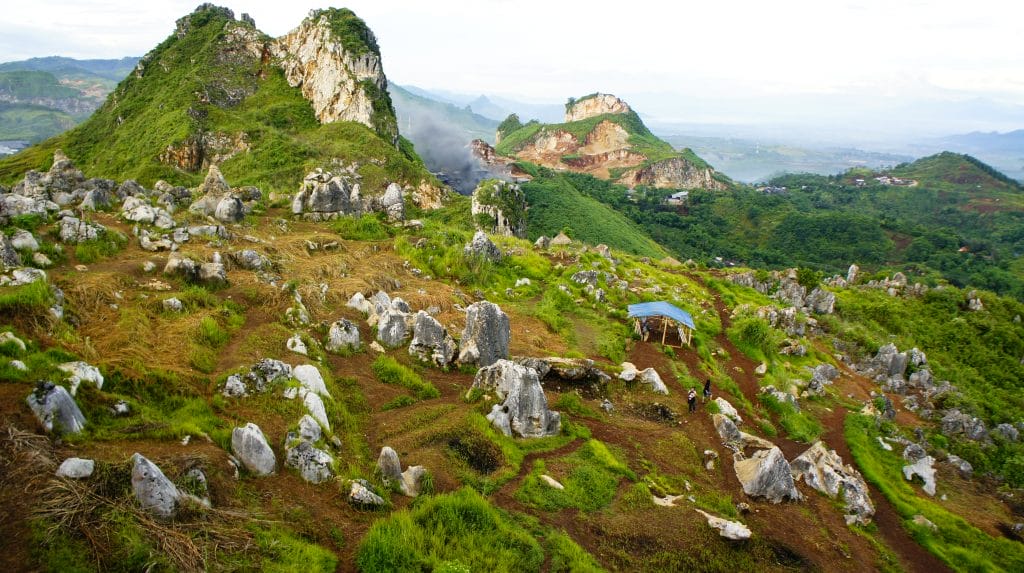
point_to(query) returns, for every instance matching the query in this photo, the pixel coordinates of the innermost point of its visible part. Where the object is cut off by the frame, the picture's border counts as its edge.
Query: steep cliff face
(593, 106)
(333, 57)
(673, 173)
(499, 208)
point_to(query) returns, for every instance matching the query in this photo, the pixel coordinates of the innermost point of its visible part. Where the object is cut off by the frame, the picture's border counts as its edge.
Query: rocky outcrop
(203, 150)
(431, 341)
(259, 378)
(360, 494)
(594, 105)
(524, 412)
(79, 372)
(309, 377)
(499, 207)
(767, 474)
(218, 200)
(823, 469)
(649, 377)
(674, 173)
(327, 195)
(73, 230)
(340, 75)
(312, 463)
(501, 377)
(408, 482)
(76, 468)
(486, 336)
(154, 491)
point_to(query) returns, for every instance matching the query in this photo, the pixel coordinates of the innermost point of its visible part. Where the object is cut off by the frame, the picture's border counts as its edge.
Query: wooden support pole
(664, 329)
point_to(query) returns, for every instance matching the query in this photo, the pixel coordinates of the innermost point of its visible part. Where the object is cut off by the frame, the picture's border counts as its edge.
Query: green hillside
(205, 81)
(27, 85)
(32, 122)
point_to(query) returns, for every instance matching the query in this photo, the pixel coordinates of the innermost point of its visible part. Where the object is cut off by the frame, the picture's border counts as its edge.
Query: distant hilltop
(602, 136)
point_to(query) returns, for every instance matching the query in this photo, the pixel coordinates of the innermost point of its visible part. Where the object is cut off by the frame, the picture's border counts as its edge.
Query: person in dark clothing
(707, 390)
(691, 400)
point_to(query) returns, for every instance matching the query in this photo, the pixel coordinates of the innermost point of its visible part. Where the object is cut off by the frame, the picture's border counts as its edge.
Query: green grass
(29, 299)
(590, 485)
(363, 228)
(960, 545)
(568, 557)
(106, 245)
(389, 371)
(282, 551)
(800, 426)
(399, 402)
(442, 531)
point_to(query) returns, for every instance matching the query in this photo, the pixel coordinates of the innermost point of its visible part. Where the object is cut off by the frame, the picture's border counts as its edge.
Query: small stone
(173, 305)
(296, 345)
(76, 468)
(551, 482)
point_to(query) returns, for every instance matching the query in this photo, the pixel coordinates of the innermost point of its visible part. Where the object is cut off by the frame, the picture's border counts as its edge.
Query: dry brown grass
(97, 509)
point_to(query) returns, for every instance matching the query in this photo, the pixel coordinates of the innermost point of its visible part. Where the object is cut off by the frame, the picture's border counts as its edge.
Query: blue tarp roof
(661, 308)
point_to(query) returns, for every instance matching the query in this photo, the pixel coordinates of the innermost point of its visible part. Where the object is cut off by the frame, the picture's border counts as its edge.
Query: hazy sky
(902, 50)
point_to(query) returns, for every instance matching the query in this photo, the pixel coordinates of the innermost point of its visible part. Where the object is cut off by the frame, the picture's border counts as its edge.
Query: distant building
(677, 198)
(772, 190)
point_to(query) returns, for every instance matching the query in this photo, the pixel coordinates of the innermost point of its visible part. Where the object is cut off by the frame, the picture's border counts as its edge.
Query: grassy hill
(206, 81)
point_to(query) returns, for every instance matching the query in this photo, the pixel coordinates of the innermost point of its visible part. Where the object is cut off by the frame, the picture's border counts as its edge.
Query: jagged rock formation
(767, 474)
(55, 409)
(524, 412)
(431, 341)
(823, 469)
(251, 448)
(499, 208)
(333, 57)
(733, 530)
(155, 493)
(593, 106)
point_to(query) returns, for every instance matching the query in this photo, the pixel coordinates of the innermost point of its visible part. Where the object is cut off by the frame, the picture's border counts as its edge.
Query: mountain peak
(594, 105)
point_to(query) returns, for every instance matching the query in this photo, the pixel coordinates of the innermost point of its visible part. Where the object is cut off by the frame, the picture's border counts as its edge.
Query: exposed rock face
(9, 258)
(326, 196)
(251, 448)
(524, 412)
(55, 409)
(343, 335)
(216, 199)
(251, 260)
(923, 467)
(388, 464)
(486, 336)
(673, 173)
(956, 422)
(341, 77)
(728, 529)
(767, 474)
(482, 247)
(202, 150)
(259, 378)
(315, 406)
(431, 341)
(823, 469)
(502, 205)
(156, 494)
(821, 301)
(727, 410)
(393, 324)
(592, 106)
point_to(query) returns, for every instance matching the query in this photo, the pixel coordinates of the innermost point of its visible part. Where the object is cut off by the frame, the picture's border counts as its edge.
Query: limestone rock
(823, 469)
(431, 341)
(251, 260)
(359, 302)
(392, 203)
(726, 428)
(925, 469)
(821, 301)
(650, 377)
(360, 495)
(964, 467)
(9, 337)
(74, 230)
(343, 335)
(551, 482)
(486, 336)
(23, 240)
(315, 406)
(314, 464)
(173, 305)
(503, 205)
(76, 468)
(728, 529)
(524, 411)
(501, 377)
(156, 494)
(481, 246)
(251, 448)
(296, 345)
(55, 409)
(79, 372)
(9, 258)
(629, 372)
(388, 464)
(727, 409)
(343, 81)
(767, 474)
(392, 326)
(311, 379)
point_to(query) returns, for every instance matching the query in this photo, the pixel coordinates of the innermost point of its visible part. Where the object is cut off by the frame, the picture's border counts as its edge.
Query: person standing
(691, 400)
(707, 390)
